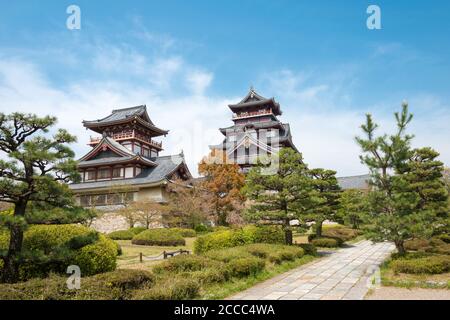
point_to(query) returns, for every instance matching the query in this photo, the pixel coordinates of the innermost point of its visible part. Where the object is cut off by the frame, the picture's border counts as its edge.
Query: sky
(187, 60)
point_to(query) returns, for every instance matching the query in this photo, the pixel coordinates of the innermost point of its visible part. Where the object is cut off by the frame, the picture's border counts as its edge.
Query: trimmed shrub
(269, 234)
(238, 237)
(442, 249)
(185, 233)
(211, 275)
(416, 244)
(244, 267)
(325, 242)
(137, 230)
(97, 257)
(228, 254)
(427, 265)
(342, 233)
(54, 247)
(274, 253)
(309, 248)
(159, 237)
(444, 237)
(201, 228)
(116, 285)
(183, 263)
(121, 235)
(173, 288)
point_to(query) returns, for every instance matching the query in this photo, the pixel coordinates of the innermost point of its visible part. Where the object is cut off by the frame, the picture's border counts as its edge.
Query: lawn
(431, 281)
(130, 254)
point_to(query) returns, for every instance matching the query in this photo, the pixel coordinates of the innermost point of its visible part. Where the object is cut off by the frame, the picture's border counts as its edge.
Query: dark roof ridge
(129, 108)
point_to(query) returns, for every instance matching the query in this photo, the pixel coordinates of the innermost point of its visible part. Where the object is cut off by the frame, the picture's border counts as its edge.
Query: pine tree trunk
(11, 265)
(399, 244)
(287, 232)
(319, 228)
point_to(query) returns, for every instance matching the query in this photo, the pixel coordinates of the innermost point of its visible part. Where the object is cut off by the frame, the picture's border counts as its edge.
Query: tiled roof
(254, 99)
(354, 182)
(122, 115)
(165, 166)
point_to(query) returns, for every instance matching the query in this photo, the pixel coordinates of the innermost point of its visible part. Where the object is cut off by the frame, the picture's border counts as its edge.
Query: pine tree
(282, 197)
(37, 169)
(402, 203)
(354, 207)
(325, 194)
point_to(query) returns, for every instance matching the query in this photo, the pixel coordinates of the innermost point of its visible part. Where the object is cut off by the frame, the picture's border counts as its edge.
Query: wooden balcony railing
(124, 135)
(249, 114)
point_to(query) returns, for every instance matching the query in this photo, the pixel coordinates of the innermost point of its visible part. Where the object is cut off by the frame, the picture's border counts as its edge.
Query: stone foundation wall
(110, 222)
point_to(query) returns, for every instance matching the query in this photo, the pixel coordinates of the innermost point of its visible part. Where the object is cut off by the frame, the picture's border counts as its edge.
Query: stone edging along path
(343, 274)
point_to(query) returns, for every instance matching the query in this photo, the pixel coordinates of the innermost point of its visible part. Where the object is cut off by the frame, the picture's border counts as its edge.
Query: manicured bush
(121, 235)
(238, 237)
(309, 248)
(426, 265)
(274, 253)
(286, 254)
(185, 233)
(269, 234)
(325, 242)
(97, 257)
(342, 233)
(244, 267)
(228, 254)
(201, 228)
(436, 242)
(183, 263)
(116, 285)
(173, 288)
(442, 249)
(215, 240)
(210, 275)
(159, 237)
(444, 237)
(416, 244)
(137, 230)
(54, 247)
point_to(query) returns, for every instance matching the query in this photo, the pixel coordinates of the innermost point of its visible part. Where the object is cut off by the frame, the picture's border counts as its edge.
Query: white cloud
(319, 108)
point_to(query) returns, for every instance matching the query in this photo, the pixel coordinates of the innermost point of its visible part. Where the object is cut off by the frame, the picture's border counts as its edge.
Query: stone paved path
(342, 274)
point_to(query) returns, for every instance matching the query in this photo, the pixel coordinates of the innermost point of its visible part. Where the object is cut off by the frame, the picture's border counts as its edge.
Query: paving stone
(341, 275)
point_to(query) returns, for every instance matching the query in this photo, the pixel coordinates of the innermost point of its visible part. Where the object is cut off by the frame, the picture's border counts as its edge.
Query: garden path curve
(342, 274)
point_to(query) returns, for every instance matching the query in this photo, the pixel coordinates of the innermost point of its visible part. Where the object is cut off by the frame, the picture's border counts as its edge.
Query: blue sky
(188, 59)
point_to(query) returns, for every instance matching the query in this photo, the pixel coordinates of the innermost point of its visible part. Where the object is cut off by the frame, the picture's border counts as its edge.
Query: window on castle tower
(91, 175)
(117, 173)
(104, 173)
(137, 149)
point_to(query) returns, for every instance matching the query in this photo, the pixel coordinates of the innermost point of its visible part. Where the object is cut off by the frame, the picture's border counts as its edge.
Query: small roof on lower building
(360, 182)
(165, 167)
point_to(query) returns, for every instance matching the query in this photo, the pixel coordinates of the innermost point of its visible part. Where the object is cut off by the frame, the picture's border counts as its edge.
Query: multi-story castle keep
(256, 131)
(124, 163)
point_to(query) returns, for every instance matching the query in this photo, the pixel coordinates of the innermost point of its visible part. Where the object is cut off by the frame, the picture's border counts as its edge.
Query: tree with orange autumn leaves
(223, 182)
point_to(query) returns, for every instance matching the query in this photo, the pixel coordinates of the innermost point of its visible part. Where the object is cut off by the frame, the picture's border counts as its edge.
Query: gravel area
(390, 293)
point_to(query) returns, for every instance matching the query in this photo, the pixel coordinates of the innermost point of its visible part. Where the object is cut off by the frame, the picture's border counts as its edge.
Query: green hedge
(159, 237)
(186, 233)
(116, 285)
(136, 230)
(183, 263)
(309, 248)
(325, 242)
(174, 288)
(121, 235)
(425, 265)
(238, 237)
(52, 248)
(244, 267)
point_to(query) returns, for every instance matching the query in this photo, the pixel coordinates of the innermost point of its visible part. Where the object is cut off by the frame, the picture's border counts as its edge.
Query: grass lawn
(403, 280)
(226, 289)
(130, 254)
